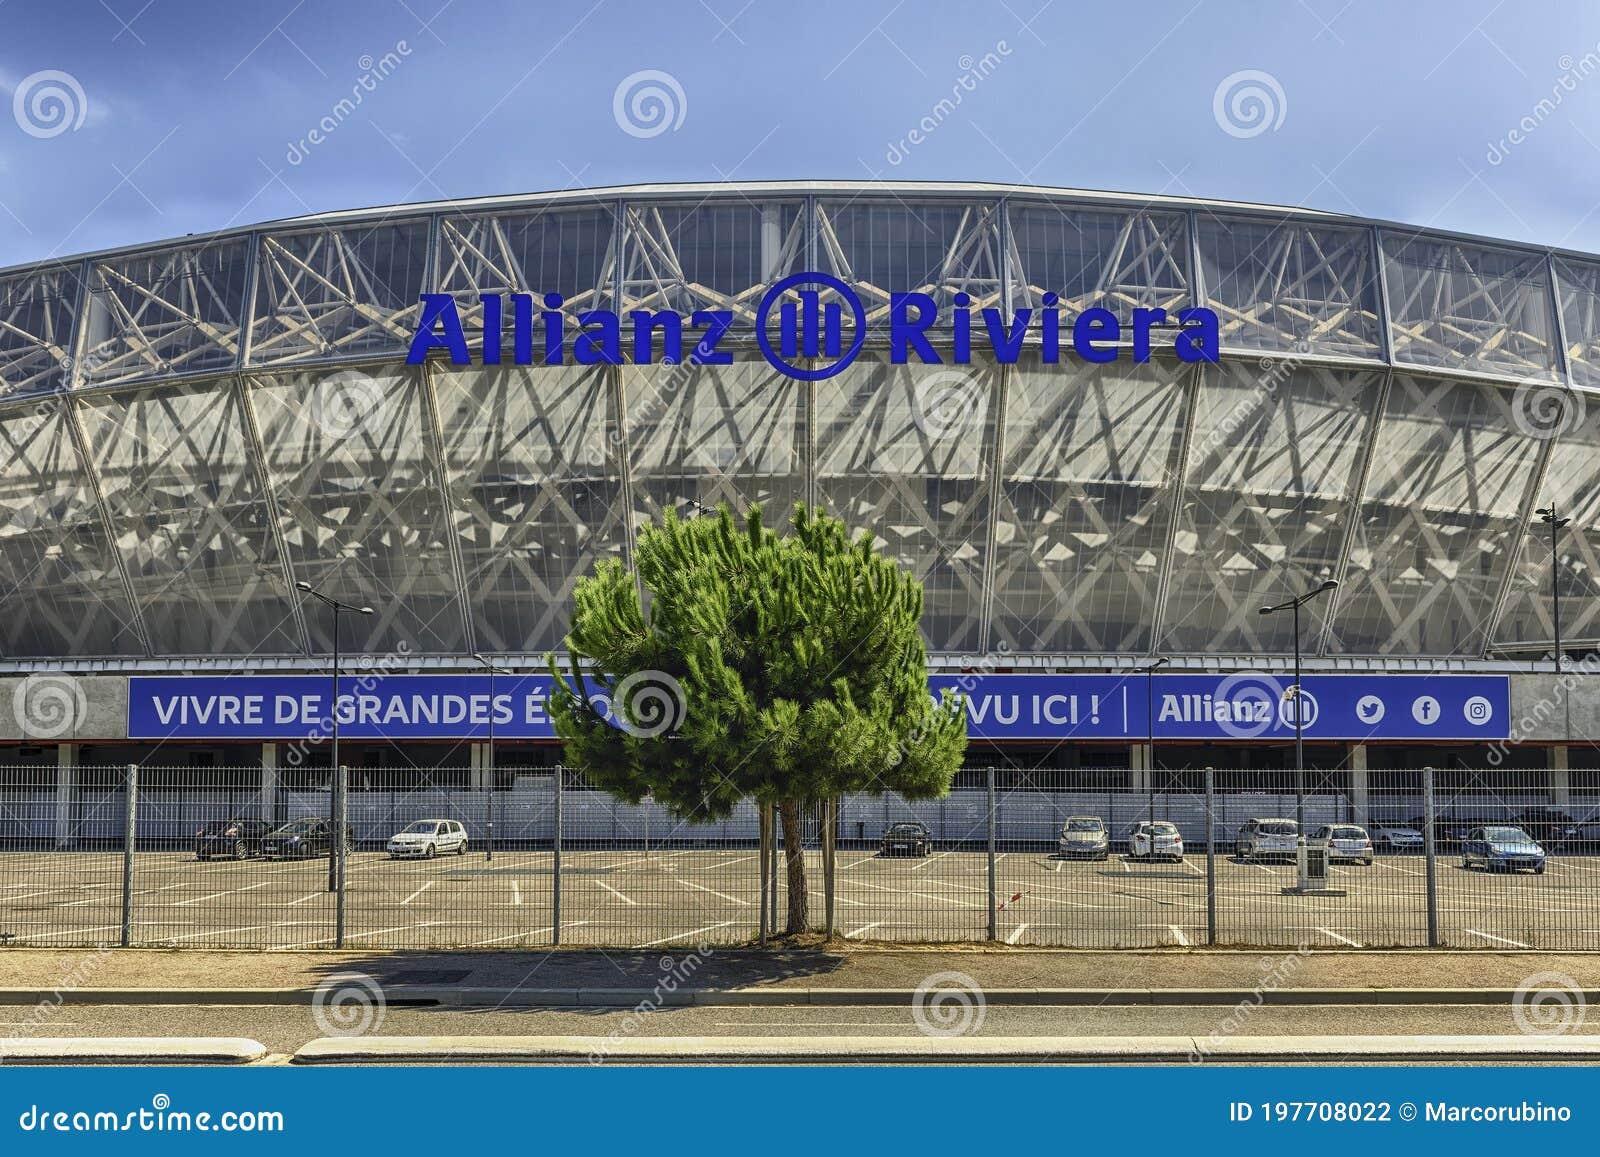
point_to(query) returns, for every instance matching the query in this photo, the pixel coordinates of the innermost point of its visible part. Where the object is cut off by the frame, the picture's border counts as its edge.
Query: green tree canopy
(784, 667)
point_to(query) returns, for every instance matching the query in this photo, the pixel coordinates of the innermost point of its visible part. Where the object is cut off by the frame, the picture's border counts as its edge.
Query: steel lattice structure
(188, 428)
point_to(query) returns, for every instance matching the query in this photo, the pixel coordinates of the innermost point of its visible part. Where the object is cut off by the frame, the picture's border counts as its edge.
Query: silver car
(1084, 837)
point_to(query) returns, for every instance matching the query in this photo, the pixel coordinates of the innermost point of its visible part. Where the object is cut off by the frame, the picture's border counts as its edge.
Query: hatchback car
(1261, 838)
(426, 839)
(1154, 841)
(1502, 847)
(1398, 838)
(234, 839)
(906, 839)
(302, 839)
(1085, 837)
(1346, 842)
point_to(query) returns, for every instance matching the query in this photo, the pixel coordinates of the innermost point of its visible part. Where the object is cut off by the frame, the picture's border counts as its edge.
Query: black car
(234, 839)
(302, 839)
(1550, 826)
(1451, 831)
(910, 839)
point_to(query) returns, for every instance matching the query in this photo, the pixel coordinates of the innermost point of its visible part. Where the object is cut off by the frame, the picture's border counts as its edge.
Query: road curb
(131, 1051)
(456, 996)
(570, 1050)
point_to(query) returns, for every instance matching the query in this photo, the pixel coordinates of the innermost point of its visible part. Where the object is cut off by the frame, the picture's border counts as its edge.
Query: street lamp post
(1150, 670)
(1547, 515)
(488, 807)
(336, 781)
(1294, 605)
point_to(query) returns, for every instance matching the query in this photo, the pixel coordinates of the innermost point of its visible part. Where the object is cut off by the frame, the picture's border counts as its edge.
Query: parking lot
(643, 899)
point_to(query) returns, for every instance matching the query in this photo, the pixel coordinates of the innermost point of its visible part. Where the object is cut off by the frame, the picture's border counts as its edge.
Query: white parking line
(863, 930)
(685, 935)
(617, 894)
(214, 932)
(417, 893)
(853, 863)
(307, 896)
(1178, 933)
(714, 892)
(1407, 871)
(1500, 939)
(1329, 932)
(1016, 933)
(529, 932)
(928, 860)
(214, 895)
(1191, 867)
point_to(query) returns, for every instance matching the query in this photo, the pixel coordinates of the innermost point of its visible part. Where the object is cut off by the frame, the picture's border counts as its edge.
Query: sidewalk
(47, 971)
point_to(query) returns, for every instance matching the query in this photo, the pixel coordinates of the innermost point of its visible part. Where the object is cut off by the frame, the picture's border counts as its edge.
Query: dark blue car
(1502, 847)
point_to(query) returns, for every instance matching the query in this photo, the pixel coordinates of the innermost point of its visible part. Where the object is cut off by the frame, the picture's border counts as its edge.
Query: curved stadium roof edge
(690, 189)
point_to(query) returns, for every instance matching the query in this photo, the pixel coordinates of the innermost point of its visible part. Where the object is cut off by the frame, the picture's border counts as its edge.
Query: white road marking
(214, 895)
(529, 932)
(853, 863)
(617, 894)
(1016, 933)
(1407, 871)
(307, 896)
(865, 928)
(685, 935)
(1178, 932)
(214, 932)
(1191, 867)
(926, 860)
(417, 893)
(364, 935)
(1500, 939)
(1329, 932)
(714, 892)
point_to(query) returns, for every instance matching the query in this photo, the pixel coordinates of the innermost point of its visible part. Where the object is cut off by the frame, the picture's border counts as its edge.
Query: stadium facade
(190, 428)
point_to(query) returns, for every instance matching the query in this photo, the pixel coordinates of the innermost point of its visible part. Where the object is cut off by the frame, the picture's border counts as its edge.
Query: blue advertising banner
(999, 707)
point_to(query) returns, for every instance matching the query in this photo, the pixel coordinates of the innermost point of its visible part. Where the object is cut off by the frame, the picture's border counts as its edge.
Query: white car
(1346, 842)
(1398, 838)
(425, 839)
(1168, 843)
(1260, 838)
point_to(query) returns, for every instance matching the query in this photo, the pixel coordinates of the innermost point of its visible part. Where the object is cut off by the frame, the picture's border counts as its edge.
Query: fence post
(772, 869)
(1430, 851)
(830, 815)
(992, 914)
(341, 822)
(764, 822)
(1211, 856)
(555, 867)
(130, 814)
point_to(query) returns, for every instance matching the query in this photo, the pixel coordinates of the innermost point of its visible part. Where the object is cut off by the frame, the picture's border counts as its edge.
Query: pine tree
(785, 667)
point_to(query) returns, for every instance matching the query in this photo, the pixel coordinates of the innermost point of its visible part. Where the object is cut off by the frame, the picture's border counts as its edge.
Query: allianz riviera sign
(802, 334)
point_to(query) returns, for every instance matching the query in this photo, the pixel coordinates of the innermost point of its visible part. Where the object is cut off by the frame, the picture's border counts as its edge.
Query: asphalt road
(661, 898)
(283, 1029)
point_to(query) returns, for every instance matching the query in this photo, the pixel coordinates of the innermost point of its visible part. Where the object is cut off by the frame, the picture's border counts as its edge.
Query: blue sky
(189, 112)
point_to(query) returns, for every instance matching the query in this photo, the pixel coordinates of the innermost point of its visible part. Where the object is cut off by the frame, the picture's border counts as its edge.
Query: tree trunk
(795, 865)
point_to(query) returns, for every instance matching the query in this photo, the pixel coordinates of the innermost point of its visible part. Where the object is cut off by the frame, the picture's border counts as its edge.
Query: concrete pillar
(1560, 778)
(478, 766)
(269, 782)
(66, 795)
(1139, 768)
(1359, 804)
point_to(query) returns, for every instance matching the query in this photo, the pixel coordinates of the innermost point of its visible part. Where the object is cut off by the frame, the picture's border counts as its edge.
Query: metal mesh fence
(233, 857)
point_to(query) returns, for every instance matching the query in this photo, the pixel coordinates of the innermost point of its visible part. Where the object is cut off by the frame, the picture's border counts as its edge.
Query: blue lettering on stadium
(523, 329)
